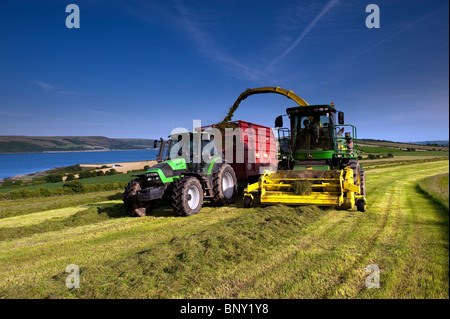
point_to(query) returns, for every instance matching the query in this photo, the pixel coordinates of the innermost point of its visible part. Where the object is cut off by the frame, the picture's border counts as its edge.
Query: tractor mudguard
(215, 166)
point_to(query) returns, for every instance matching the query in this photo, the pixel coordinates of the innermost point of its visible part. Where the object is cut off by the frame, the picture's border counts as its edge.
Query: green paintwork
(175, 164)
(211, 166)
(316, 168)
(163, 178)
(315, 155)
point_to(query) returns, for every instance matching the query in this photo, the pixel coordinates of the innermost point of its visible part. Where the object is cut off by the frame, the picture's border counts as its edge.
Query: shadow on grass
(114, 211)
(160, 209)
(440, 210)
(116, 196)
(436, 203)
(163, 210)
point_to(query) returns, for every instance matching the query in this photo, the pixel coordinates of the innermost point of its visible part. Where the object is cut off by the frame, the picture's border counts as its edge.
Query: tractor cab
(196, 149)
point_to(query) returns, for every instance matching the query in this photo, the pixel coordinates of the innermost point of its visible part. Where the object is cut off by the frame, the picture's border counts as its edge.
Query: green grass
(400, 162)
(232, 252)
(430, 153)
(370, 149)
(365, 150)
(10, 208)
(86, 181)
(437, 188)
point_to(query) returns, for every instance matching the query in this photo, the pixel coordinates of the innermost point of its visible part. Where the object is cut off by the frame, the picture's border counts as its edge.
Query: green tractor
(190, 169)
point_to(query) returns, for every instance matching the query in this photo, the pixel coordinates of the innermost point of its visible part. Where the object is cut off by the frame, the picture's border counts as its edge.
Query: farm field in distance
(232, 252)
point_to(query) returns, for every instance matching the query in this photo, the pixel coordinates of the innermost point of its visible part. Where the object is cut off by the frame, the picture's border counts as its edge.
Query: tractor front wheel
(133, 206)
(187, 196)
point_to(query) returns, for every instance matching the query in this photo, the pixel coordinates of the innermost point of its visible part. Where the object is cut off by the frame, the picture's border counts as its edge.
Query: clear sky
(138, 69)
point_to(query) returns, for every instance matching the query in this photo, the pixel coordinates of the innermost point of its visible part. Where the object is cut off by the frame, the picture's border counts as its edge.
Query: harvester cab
(190, 169)
(314, 140)
(318, 162)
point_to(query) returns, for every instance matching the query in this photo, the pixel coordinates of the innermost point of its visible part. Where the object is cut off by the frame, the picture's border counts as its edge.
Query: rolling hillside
(30, 144)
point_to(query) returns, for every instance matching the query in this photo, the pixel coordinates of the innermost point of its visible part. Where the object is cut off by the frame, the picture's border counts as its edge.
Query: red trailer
(250, 148)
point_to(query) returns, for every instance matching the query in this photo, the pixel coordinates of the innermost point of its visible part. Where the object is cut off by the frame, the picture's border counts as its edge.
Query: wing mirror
(279, 121)
(341, 118)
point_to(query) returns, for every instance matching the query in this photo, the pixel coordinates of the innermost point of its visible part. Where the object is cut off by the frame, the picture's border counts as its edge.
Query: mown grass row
(397, 163)
(69, 188)
(231, 252)
(437, 187)
(26, 206)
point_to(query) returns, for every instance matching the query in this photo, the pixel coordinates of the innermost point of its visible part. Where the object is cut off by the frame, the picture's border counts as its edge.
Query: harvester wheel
(224, 186)
(361, 205)
(354, 165)
(133, 206)
(362, 177)
(248, 202)
(187, 196)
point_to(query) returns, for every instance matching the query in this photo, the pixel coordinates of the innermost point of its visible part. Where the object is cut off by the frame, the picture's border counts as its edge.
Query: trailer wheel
(224, 186)
(133, 206)
(187, 196)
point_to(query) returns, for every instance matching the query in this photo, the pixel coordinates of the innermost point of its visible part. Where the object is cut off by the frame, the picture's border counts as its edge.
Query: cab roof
(311, 108)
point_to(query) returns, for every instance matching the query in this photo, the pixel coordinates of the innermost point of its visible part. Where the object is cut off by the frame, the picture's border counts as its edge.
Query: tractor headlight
(153, 176)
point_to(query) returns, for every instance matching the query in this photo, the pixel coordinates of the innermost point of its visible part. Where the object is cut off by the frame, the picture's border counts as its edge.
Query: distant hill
(401, 145)
(36, 144)
(432, 143)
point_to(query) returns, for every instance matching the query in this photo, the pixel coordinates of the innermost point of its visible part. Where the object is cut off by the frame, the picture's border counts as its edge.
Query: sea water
(25, 163)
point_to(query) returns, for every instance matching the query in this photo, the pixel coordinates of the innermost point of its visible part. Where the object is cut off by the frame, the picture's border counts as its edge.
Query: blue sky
(138, 69)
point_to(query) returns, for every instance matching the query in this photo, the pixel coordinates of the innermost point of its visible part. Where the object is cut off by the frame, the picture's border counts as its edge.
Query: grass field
(374, 149)
(232, 252)
(398, 152)
(85, 181)
(437, 187)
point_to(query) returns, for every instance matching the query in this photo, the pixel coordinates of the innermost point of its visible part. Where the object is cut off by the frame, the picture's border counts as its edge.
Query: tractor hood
(168, 170)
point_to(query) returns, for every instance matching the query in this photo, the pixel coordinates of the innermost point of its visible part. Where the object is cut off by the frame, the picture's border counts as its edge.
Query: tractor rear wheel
(187, 196)
(225, 187)
(133, 206)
